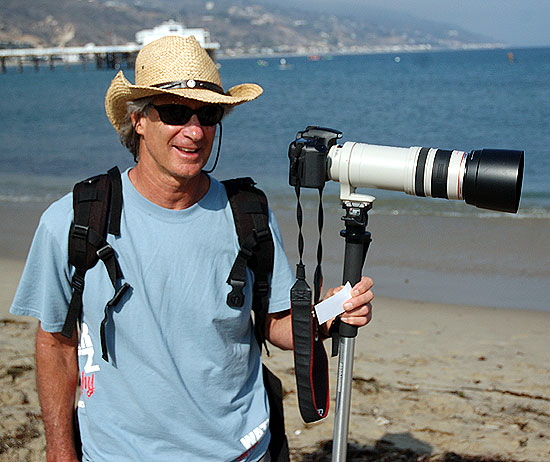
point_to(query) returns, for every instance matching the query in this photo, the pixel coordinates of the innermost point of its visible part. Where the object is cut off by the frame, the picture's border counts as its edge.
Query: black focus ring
(440, 173)
(420, 169)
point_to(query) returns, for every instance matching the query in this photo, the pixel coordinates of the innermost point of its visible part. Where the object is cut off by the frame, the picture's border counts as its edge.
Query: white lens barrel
(417, 171)
(370, 166)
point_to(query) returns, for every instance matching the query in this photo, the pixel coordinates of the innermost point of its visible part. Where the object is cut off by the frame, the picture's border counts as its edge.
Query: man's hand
(358, 309)
(358, 313)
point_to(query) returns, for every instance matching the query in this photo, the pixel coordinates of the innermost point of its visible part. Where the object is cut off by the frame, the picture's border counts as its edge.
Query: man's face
(178, 151)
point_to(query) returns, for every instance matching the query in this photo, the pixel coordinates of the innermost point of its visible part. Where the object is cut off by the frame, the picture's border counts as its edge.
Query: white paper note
(334, 305)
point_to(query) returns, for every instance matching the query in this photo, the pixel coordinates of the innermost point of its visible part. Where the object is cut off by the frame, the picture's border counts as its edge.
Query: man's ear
(136, 123)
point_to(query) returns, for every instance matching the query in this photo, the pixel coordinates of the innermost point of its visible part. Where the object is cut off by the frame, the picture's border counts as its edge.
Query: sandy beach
(454, 366)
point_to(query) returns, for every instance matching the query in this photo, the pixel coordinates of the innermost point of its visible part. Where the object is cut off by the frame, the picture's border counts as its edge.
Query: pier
(104, 56)
(109, 56)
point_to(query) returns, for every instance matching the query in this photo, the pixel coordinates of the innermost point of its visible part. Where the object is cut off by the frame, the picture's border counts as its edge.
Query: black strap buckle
(235, 298)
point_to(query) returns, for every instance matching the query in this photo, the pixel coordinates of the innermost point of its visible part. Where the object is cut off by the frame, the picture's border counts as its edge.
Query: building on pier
(104, 56)
(143, 37)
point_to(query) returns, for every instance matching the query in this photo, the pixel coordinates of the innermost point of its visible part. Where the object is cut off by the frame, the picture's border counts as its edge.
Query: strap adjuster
(261, 287)
(80, 231)
(77, 283)
(105, 252)
(262, 235)
(245, 253)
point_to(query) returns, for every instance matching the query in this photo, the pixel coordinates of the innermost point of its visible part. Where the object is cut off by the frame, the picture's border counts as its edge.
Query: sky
(514, 22)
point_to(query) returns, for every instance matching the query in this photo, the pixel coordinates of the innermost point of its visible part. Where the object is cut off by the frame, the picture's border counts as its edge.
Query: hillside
(240, 27)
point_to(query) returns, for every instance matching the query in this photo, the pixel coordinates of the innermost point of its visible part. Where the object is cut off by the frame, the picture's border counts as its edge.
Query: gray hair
(128, 135)
(139, 108)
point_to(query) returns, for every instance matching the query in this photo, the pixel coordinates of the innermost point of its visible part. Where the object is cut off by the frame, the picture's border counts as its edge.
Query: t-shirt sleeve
(282, 278)
(44, 291)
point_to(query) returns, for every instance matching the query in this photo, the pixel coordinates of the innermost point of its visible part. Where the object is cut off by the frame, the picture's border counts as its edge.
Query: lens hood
(493, 179)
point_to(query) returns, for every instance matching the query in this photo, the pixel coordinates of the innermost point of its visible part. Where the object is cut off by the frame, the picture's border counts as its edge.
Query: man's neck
(167, 191)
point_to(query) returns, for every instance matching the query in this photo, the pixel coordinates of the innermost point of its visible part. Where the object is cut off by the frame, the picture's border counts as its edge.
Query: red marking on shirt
(87, 384)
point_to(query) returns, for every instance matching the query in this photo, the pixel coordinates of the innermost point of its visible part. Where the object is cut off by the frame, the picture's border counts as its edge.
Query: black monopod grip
(357, 244)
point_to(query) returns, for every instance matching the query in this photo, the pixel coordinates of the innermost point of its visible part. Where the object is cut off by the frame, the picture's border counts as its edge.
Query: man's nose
(194, 128)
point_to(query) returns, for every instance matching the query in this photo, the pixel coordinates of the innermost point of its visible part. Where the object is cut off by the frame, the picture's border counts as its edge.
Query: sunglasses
(178, 114)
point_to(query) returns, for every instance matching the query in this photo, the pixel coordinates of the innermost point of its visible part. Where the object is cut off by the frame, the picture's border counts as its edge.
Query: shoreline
(381, 50)
(498, 262)
(359, 50)
(442, 259)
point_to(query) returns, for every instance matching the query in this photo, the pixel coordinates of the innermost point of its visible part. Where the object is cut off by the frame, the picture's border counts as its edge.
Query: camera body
(487, 178)
(308, 156)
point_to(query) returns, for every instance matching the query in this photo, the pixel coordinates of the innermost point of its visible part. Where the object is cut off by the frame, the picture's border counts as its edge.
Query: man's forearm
(279, 330)
(57, 380)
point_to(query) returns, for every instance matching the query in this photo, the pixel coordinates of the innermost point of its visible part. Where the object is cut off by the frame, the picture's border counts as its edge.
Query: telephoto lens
(487, 178)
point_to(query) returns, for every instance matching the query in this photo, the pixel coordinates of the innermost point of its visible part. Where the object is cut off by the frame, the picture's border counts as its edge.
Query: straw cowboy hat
(178, 66)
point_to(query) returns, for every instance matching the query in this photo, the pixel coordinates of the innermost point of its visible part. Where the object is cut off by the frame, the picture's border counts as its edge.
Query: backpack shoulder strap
(251, 215)
(94, 201)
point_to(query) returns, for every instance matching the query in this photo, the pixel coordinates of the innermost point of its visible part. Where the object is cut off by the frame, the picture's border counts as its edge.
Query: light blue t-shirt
(184, 378)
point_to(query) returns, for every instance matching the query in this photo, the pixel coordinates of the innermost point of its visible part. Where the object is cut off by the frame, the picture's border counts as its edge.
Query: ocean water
(54, 130)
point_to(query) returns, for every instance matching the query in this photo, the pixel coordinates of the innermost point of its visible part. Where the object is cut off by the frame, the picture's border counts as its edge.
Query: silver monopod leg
(343, 399)
(357, 243)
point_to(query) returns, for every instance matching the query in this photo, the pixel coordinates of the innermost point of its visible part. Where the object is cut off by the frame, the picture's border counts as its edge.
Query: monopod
(356, 247)
(487, 178)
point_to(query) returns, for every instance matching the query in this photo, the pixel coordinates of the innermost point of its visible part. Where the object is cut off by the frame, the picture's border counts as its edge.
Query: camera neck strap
(310, 358)
(318, 275)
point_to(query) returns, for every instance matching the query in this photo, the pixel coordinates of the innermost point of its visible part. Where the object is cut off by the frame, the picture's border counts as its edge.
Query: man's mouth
(187, 150)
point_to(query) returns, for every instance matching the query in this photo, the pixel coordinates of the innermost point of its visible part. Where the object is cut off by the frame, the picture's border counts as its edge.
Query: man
(183, 378)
